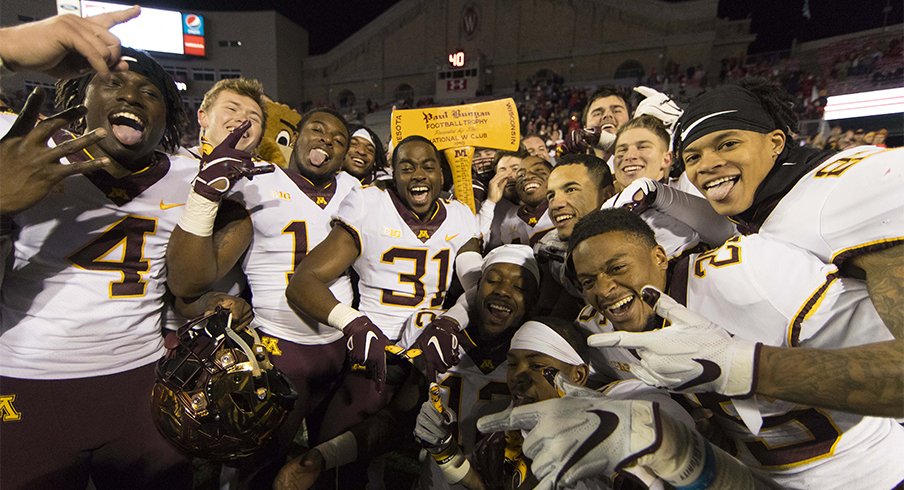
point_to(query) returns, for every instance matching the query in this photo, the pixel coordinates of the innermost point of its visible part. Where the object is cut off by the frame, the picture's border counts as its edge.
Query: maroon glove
(367, 347)
(223, 166)
(581, 140)
(436, 349)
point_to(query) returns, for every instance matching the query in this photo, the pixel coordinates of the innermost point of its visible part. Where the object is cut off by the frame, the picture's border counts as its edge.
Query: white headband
(520, 255)
(362, 133)
(540, 338)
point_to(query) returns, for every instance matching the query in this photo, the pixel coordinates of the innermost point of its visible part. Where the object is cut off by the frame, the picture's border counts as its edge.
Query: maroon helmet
(217, 395)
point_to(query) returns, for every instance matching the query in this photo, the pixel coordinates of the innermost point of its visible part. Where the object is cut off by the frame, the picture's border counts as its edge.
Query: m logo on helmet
(7, 410)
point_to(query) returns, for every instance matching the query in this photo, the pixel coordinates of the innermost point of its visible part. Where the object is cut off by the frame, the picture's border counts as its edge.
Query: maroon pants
(315, 372)
(55, 434)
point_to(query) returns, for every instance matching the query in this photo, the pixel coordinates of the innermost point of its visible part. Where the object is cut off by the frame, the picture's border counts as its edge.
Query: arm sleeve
(696, 213)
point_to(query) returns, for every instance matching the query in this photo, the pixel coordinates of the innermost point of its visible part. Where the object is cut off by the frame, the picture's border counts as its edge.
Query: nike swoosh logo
(711, 372)
(608, 423)
(367, 339)
(165, 206)
(435, 344)
(449, 238)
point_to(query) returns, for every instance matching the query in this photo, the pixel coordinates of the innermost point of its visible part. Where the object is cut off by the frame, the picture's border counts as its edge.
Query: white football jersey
(523, 227)
(848, 205)
(83, 292)
(766, 291)
(404, 263)
(290, 216)
(474, 387)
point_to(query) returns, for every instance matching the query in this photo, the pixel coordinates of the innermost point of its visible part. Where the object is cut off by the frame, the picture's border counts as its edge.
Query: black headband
(141, 63)
(726, 107)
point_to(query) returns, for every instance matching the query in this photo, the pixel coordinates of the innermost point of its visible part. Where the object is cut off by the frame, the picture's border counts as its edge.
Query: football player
(501, 197)
(271, 223)
(529, 222)
(578, 185)
(402, 242)
(845, 208)
(82, 301)
(580, 441)
(680, 221)
(365, 157)
(787, 299)
(473, 387)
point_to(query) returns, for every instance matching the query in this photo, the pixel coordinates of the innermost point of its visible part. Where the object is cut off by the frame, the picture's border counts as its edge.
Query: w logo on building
(470, 19)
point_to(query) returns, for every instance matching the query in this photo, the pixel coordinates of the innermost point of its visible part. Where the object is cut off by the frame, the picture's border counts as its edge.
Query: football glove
(433, 429)
(692, 355)
(574, 438)
(222, 166)
(658, 105)
(367, 347)
(436, 349)
(638, 196)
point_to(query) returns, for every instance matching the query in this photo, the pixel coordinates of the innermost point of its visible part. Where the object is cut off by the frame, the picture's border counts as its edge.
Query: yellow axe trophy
(457, 130)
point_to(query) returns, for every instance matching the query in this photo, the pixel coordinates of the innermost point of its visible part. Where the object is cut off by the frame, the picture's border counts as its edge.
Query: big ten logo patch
(282, 195)
(392, 232)
(8, 412)
(272, 345)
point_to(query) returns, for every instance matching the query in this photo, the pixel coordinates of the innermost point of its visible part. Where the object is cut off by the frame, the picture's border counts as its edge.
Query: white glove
(638, 196)
(575, 438)
(606, 142)
(692, 355)
(433, 429)
(658, 105)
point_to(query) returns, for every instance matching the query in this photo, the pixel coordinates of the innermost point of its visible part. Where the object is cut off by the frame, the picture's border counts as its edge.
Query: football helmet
(217, 396)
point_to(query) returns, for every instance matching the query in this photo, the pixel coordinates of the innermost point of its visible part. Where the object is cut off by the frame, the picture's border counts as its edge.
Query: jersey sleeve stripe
(865, 248)
(808, 309)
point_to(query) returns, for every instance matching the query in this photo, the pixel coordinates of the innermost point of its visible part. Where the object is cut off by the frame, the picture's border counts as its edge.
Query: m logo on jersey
(272, 345)
(532, 221)
(321, 201)
(487, 365)
(423, 235)
(7, 410)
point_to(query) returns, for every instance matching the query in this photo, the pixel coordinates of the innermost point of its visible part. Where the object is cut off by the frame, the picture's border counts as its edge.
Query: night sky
(776, 22)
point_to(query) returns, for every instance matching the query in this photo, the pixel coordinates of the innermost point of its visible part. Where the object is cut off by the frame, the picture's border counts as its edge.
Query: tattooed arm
(867, 379)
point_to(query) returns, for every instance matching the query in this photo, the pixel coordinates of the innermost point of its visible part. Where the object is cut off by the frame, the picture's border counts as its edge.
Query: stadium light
(863, 104)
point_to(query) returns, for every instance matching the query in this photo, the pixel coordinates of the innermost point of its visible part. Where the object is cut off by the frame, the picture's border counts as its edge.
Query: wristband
(338, 451)
(199, 215)
(341, 315)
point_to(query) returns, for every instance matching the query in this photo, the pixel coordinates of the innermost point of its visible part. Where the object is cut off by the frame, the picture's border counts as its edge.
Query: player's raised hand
(222, 166)
(574, 438)
(436, 349)
(496, 186)
(658, 105)
(66, 46)
(367, 347)
(433, 429)
(29, 167)
(638, 196)
(691, 355)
